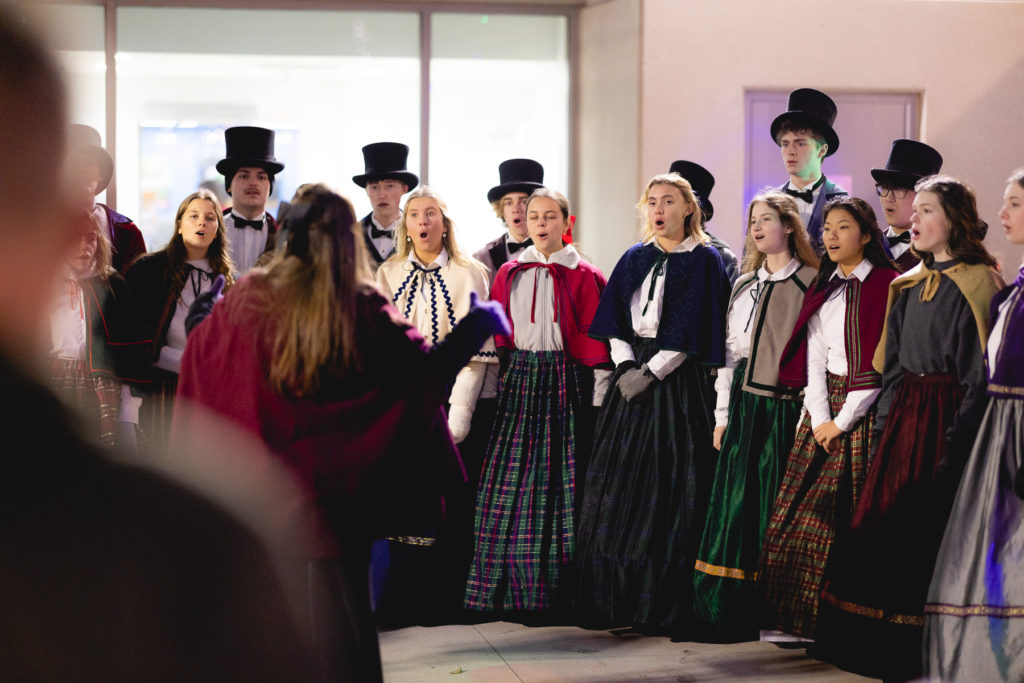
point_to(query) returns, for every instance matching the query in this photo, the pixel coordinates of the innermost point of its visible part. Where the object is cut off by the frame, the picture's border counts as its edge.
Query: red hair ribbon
(567, 235)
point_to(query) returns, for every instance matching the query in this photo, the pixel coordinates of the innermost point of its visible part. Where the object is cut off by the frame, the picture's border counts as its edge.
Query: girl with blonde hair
(663, 314)
(430, 281)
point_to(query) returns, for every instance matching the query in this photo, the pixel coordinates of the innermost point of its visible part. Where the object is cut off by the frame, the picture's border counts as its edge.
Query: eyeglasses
(898, 192)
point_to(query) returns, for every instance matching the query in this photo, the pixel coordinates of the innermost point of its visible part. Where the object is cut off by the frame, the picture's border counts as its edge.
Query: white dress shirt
(806, 210)
(898, 249)
(245, 245)
(195, 284)
(532, 304)
(826, 350)
(739, 328)
(384, 244)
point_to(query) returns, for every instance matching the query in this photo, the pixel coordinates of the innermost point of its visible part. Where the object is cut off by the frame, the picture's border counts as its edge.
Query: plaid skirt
(645, 501)
(96, 398)
(525, 526)
(881, 567)
(755, 447)
(818, 496)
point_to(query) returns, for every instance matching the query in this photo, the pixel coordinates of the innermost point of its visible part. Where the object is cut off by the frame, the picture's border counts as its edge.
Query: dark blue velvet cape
(693, 310)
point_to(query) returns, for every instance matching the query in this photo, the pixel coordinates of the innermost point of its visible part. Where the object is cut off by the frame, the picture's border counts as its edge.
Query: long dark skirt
(525, 523)
(755, 447)
(422, 580)
(818, 496)
(157, 410)
(878, 580)
(340, 620)
(974, 613)
(645, 501)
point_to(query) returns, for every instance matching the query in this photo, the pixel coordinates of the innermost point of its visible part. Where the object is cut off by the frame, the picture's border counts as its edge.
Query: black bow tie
(513, 247)
(246, 223)
(806, 195)
(376, 232)
(899, 239)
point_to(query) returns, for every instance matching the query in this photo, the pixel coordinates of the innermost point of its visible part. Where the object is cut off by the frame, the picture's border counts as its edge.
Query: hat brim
(406, 178)
(885, 176)
(104, 161)
(811, 122)
(230, 166)
(499, 191)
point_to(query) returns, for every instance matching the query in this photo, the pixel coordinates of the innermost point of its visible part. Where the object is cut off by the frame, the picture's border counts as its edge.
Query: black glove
(635, 384)
(203, 305)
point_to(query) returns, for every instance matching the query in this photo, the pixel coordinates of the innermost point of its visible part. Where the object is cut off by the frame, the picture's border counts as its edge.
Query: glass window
(499, 89)
(327, 82)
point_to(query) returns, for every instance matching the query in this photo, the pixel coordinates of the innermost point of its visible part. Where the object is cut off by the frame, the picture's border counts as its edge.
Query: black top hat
(517, 175)
(249, 146)
(386, 160)
(86, 140)
(813, 109)
(909, 161)
(700, 180)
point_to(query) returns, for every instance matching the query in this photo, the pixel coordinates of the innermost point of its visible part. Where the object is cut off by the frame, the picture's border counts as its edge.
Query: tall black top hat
(517, 175)
(386, 160)
(249, 146)
(84, 139)
(909, 161)
(700, 180)
(813, 109)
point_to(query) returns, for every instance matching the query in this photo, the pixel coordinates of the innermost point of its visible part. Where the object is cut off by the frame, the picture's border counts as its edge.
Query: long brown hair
(966, 229)
(789, 215)
(692, 224)
(308, 293)
(216, 254)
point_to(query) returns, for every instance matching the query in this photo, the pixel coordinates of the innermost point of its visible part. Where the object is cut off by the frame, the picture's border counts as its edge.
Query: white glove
(459, 420)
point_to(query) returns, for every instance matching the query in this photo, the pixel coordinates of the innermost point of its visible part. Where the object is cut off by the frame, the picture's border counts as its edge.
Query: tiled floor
(502, 651)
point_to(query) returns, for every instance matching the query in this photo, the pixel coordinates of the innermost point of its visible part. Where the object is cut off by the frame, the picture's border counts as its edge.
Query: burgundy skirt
(872, 605)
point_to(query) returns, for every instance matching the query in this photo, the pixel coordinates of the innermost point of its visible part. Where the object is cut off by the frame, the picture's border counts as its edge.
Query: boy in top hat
(805, 135)
(249, 169)
(517, 178)
(91, 167)
(702, 182)
(386, 179)
(909, 161)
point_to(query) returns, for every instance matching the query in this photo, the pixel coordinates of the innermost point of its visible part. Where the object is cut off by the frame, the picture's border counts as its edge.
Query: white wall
(698, 57)
(609, 109)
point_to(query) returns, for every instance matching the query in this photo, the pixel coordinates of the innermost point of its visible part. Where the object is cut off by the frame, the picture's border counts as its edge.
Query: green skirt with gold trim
(755, 446)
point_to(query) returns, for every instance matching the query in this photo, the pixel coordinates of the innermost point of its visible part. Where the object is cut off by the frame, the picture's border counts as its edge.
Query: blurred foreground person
(110, 572)
(326, 372)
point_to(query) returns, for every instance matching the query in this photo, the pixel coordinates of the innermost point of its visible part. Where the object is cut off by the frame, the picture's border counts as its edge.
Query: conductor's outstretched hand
(493, 314)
